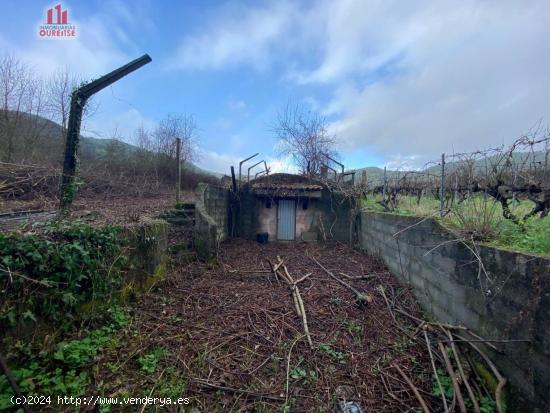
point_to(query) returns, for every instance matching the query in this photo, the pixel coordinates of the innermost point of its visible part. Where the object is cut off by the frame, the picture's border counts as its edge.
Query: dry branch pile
(18, 180)
(239, 333)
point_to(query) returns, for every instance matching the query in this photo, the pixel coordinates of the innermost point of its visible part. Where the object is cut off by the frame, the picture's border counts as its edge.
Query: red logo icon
(57, 24)
(61, 15)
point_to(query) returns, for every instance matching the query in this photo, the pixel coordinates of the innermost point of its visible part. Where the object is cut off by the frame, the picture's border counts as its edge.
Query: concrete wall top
(499, 294)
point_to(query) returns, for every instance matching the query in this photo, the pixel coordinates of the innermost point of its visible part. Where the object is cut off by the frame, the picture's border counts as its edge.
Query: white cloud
(236, 104)
(102, 43)
(402, 77)
(400, 162)
(281, 165)
(121, 125)
(239, 35)
(472, 78)
(217, 162)
(221, 162)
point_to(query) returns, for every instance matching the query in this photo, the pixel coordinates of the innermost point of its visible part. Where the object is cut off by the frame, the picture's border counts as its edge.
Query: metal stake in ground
(178, 157)
(384, 185)
(78, 101)
(442, 187)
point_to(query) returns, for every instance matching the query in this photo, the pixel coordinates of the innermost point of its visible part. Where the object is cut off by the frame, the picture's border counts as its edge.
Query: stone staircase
(182, 226)
(181, 215)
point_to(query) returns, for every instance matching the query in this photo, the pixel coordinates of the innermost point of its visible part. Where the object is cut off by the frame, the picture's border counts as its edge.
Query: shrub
(49, 274)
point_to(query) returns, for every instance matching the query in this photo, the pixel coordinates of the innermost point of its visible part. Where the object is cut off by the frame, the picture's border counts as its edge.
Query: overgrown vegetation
(51, 272)
(499, 195)
(59, 311)
(486, 404)
(34, 113)
(480, 218)
(62, 369)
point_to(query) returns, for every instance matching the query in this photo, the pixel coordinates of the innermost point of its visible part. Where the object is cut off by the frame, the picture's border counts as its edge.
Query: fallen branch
(11, 380)
(305, 277)
(501, 380)
(452, 375)
(461, 372)
(443, 398)
(452, 327)
(413, 388)
(358, 277)
(296, 296)
(360, 297)
(381, 289)
(205, 383)
(299, 303)
(288, 368)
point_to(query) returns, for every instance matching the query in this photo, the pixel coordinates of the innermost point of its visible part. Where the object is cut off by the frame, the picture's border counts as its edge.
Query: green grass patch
(63, 371)
(479, 218)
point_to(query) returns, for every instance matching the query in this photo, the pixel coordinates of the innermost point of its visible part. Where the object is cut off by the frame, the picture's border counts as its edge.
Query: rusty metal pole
(234, 204)
(178, 158)
(79, 97)
(233, 180)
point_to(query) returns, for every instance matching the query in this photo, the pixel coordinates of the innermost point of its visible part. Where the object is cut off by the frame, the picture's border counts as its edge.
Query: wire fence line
(506, 174)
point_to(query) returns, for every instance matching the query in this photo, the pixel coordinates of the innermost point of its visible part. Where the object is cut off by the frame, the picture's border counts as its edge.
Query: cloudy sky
(398, 81)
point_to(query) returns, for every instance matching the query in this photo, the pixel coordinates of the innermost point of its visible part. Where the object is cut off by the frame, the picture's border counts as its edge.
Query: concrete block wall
(334, 211)
(508, 298)
(247, 224)
(147, 254)
(216, 203)
(211, 218)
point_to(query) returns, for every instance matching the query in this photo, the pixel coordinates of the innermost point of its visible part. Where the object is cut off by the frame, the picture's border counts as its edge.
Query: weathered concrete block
(505, 296)
(147, 256)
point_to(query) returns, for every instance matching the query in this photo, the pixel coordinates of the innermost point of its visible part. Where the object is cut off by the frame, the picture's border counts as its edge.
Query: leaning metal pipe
(332, 169)
(241, 164)
(253, 166)
(336, 162)
(78, 101)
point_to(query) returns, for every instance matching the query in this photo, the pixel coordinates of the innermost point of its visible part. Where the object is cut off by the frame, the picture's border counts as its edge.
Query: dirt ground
(108, 209)
(230, 331)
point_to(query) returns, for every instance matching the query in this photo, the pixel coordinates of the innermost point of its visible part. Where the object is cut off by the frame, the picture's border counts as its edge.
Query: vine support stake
(79, 97)
(442, 188)
(178, 158)
(384, 185)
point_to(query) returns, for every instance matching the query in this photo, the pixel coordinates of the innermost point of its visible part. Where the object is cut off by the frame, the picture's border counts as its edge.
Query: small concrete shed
(285, 206)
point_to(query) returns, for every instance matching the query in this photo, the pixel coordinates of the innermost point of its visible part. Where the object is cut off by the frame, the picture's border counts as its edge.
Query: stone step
(181, 213)
(189, 221)
(178, 213)
(185, 206)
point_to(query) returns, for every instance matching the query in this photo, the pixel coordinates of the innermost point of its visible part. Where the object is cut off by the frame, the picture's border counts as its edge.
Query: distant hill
(375, 175)
(48, 135)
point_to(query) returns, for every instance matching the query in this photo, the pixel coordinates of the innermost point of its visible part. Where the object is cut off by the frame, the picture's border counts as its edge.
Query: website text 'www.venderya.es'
(99, 400)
